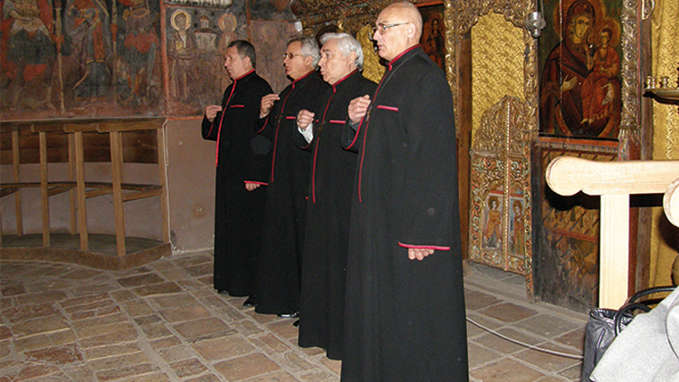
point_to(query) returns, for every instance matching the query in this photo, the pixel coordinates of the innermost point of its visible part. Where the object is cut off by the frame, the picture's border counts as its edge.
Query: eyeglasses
(383, 27)
(290, 56)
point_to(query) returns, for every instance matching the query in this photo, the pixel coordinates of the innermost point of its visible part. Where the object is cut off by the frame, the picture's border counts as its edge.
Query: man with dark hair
(278, 282)
(241, 171)
(405, 312)
(332, 168)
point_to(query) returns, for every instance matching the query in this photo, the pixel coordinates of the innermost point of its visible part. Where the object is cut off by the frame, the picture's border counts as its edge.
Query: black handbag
(605, 324)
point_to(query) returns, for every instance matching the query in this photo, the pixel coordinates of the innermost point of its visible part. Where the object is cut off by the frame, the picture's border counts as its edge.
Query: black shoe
(288, 315)
(223, 291)
(296, 323)
(250, 302)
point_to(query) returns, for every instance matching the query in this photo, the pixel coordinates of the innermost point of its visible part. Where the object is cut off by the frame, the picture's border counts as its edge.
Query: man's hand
(304, 119)
(211, 112)
(419, 253)
(267, 103)
(252, 186)
(358, 107)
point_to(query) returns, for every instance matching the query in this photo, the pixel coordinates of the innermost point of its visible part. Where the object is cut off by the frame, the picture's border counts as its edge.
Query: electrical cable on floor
(553, 352)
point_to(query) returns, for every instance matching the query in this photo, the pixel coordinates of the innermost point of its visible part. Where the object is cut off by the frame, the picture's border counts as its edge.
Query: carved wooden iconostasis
(519, 121)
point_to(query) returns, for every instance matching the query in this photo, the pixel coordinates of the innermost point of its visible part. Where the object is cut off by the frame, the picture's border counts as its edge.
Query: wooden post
(17, 193)
(614, 182)
(80, 187)
(116, 172)
(73, 196)
(44, 196)
(613, 250)
(160, 146)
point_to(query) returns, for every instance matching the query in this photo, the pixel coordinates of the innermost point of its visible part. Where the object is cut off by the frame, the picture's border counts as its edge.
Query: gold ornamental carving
(459, 17)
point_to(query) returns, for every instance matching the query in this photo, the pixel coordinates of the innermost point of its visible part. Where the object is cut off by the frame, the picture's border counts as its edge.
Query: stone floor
(163, 322)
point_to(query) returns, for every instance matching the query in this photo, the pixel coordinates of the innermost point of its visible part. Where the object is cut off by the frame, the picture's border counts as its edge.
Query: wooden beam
(73, 194)
(162, 172)
(116, 172)
(17, 196)
(44, 194)
(80, 187)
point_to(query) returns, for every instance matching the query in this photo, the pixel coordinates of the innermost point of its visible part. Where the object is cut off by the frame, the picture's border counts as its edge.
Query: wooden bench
(77, 184)
(615, 182)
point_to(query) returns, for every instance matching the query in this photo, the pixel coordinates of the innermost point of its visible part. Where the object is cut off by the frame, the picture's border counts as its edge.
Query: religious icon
(580, 86)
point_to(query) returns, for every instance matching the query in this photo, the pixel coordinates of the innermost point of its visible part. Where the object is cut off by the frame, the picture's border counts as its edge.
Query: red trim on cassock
(414, 246)
(390, 108)
(290, 117)
(255, 182)
(236, 106)
(336, 121)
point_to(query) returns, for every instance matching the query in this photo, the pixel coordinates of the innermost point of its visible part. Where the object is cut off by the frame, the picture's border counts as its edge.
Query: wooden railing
(615, 182)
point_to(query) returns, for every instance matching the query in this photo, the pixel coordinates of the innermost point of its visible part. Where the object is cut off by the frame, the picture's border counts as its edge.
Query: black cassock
(238, 213)
(327, 225)
(278, 273)
(405, 319)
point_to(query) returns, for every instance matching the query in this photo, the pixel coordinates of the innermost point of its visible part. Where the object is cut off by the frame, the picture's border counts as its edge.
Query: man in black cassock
(405, 312)
(329, 204)
(241, 170)
(278, 280)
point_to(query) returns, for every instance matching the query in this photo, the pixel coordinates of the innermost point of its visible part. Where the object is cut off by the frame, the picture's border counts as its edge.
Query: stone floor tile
(249, 328)
(10, 288)
(42, 325)
(204, 378)
(203, 329)
(111, 350)
(134, 372)
(25, 312)
(547, 325)
(546, 361)
(477, 300)
(271, 344)
(119, 361)
(156, 330)
(223, 348)
(479, 355)
(294, 362)
(319, 376)
(275, 377)
(140, 280)
(165, 343)
(574, 338)
(333, 365)
(184, 313)
(572, 373)
(174, 301)
(284, 329)
(123, 295)
(491, 341)
(508, 312)
(156, 289)
(199, 270)
(177, 353)
(136, 308)
(94, 329)
(245, 367)
(58, 355)
(5, 348)
(5, 332)
(506, 370)
(153, 377)
(116, 334)
(188, 367)
(550, 378)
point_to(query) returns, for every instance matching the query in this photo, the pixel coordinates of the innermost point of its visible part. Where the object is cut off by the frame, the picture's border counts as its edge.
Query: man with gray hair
(278, 263)
(329, 203)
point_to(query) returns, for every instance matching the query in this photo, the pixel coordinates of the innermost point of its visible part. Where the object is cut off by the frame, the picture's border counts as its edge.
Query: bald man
(405, 312)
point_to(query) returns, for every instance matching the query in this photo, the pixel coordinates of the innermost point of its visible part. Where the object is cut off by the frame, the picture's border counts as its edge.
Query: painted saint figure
(181, 52)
